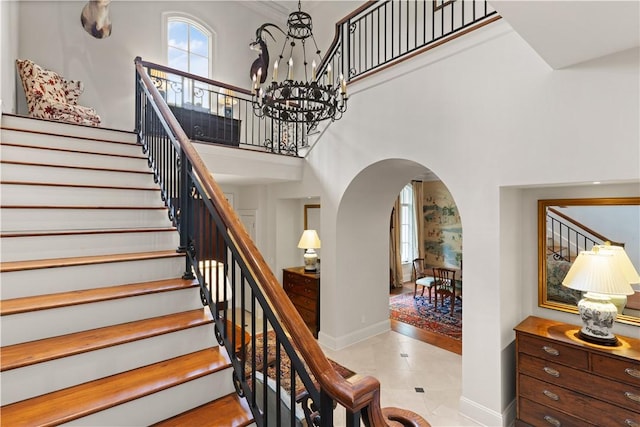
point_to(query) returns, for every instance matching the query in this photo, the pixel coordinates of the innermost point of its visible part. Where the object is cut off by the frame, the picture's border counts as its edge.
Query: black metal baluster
(452, 4)
(415, 24)
(424, 21)
(407, 26)
(265, 358)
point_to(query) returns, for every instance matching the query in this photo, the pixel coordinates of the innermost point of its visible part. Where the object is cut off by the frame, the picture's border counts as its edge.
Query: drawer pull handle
(631, 423)
(632, 396)
(551, 395)
(551, 372)
(553, 421)
(633, 372)
(550, 350)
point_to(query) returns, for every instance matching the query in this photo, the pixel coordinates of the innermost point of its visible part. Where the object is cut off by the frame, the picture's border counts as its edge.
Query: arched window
(189, 47)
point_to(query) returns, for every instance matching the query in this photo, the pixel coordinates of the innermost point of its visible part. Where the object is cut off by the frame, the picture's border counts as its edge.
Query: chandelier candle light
(599, 273)
(299, 101)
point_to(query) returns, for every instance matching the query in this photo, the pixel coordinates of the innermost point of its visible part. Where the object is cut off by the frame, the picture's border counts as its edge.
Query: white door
(248, 219)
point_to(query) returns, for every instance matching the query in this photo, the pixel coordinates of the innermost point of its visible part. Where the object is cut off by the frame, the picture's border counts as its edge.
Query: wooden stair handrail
(585, 228)
(354, 395)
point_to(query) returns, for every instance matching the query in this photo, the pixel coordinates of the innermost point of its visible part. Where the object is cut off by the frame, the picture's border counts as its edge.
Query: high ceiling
(567, 32)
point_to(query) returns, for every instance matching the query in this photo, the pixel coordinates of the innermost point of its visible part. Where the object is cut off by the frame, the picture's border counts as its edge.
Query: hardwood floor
(438, 340)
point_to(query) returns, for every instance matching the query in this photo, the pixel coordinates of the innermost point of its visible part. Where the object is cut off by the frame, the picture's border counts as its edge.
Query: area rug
(420, 313)
(285, 365)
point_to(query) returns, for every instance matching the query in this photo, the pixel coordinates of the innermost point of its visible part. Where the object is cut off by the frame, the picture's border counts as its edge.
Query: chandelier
(289, 100)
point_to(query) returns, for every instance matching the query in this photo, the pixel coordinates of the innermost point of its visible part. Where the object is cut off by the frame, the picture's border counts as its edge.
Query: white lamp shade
(597, 271)
(623, 261)
(309, 240)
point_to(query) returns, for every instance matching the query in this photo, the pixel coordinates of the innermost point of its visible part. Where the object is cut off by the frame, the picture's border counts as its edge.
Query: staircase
(98, 327)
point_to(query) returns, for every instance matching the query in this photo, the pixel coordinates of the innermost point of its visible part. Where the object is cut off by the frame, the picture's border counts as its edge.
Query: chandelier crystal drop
(307, 101)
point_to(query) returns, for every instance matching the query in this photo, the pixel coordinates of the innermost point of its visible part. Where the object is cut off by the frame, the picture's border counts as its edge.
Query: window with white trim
(408, 232)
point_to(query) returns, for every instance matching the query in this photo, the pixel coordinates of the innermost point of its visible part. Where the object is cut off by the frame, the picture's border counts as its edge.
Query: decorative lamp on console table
(310, 241)
(599, 273)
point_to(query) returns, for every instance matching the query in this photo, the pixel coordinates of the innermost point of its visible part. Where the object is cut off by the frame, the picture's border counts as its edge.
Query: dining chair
(446, 286)
(421, 278)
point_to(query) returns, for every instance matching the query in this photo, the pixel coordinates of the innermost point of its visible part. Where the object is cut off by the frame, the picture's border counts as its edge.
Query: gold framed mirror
(312, 217)
(567, 226)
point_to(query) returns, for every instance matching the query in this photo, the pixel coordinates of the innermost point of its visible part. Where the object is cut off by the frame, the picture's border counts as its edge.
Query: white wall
(8, 47)
(106, 65)
(488, 117)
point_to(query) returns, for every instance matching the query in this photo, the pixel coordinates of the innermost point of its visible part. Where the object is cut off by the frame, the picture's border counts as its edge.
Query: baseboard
(485, 416)
(338, 343)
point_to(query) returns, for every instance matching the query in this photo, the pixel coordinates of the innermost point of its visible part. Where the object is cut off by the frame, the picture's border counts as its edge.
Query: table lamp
(310, 241)
(598, 273)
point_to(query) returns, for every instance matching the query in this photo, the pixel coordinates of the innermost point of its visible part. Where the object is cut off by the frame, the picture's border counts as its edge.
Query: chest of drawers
(303, 289)
(563, 381)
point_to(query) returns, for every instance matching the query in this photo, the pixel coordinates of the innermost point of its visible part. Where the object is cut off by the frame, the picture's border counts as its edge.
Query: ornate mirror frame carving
(553, 269)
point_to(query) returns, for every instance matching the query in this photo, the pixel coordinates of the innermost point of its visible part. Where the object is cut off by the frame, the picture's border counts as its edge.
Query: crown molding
(274, 10)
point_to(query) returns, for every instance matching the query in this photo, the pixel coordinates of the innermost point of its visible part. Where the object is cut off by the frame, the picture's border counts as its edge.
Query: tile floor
(402, 364)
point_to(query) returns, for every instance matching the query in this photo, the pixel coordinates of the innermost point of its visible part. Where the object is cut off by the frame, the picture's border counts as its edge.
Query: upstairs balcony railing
(382, 33)
(214, 112)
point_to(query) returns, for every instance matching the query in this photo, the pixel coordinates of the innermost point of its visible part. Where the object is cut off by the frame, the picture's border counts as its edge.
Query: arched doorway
(362, 242)
(426, 236)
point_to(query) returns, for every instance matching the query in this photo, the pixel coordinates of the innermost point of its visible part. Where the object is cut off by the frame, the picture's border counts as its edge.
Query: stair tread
(85, 399)
(87, 138)
(92, 168)
(230, 410)
(85, 296)
(32, 352)
(80, 232)
(93, 259)
(95, 186)
(78, 207)
(70, 150)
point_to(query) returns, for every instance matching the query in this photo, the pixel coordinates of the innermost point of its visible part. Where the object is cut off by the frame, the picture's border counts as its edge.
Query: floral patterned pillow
(556, 291)
(49, 84)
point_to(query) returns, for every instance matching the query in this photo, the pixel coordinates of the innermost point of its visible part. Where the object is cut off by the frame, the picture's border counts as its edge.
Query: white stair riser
(163, 404)
(118, 147)
(36, 325)
(63, 246)
(81, 219)
(44, 195)
(66, 158)
(25, 283)
(61, 373)
(61, 175)
(34, 125)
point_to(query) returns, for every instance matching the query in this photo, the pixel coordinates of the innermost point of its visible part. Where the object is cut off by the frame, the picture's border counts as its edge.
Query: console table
(303, 289)
(564, 381)
(207, 127)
